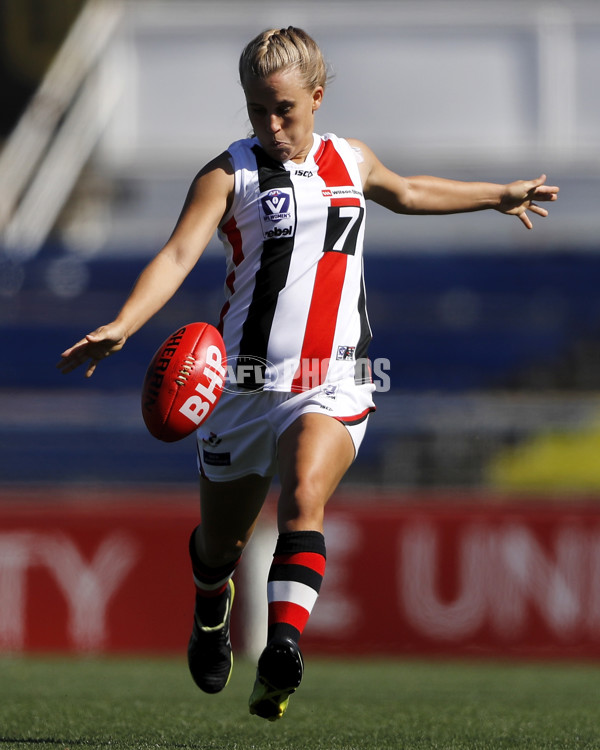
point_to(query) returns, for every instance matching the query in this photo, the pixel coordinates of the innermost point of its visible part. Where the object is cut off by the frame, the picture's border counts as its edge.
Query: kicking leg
(229, 511)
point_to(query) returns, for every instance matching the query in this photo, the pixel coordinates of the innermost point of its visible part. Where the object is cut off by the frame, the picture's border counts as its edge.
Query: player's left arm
(426, 194)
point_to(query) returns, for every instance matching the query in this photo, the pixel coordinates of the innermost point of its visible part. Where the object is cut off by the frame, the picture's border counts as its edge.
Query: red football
(184, 381)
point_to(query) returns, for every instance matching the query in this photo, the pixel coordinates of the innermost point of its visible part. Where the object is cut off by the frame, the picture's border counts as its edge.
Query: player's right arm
(208, 200)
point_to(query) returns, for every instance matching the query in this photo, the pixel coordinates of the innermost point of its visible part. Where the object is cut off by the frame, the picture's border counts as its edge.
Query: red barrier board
(111, 574)
(494, 580)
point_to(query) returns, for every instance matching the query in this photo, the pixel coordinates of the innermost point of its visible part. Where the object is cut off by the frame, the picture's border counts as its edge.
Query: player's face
(281, 111)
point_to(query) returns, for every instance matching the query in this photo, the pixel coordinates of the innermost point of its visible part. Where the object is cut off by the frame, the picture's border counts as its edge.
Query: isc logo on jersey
(277, 214)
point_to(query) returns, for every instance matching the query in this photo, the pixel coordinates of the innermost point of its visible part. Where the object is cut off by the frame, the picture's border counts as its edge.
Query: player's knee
(301, 509)
(218, 551)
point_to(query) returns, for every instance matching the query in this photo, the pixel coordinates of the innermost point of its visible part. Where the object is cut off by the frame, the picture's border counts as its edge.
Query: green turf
(342, 705)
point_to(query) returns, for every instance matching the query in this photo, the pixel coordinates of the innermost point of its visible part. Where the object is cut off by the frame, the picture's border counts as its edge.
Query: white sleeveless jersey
(295, 311)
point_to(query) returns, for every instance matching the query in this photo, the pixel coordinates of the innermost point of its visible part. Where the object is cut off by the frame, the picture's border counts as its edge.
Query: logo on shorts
(277, 215)
(213, 440)
(330, 391)
(216, 459)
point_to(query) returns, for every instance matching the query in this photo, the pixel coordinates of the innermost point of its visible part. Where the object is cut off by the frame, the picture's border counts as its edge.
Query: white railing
(57, 132)
(469, 89)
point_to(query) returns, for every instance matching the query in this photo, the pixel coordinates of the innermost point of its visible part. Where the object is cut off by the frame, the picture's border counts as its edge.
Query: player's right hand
(95, 347)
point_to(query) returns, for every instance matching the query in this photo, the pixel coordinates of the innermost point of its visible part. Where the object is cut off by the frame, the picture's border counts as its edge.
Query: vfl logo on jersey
(277, 213)
(275, 205)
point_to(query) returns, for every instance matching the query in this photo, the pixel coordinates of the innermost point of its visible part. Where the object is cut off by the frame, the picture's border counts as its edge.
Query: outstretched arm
(425, 194)
(206, 204)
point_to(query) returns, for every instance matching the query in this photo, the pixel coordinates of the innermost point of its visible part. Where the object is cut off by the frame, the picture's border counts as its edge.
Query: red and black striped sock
(211, 585)
(294, 582)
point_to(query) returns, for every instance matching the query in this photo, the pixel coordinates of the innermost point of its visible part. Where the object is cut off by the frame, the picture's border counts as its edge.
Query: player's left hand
(519, 198)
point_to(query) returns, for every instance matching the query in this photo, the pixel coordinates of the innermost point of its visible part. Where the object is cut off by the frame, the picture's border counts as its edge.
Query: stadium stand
(491, 335)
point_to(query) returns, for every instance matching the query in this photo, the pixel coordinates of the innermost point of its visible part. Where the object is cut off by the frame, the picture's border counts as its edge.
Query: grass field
(342, 705)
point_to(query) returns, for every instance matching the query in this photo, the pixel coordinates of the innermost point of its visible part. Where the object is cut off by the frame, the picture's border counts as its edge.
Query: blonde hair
(275, 50)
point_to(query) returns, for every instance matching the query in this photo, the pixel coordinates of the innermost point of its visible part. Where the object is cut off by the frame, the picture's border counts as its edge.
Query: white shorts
(240, 436)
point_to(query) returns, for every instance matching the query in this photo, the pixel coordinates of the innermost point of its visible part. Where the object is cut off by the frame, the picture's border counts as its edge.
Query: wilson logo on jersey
(277, 213)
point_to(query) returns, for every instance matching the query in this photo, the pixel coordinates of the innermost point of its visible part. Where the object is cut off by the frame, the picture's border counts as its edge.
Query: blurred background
(109, 110)
(492, 333)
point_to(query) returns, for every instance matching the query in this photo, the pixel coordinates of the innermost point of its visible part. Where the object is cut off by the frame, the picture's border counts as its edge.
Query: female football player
(289, 206)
